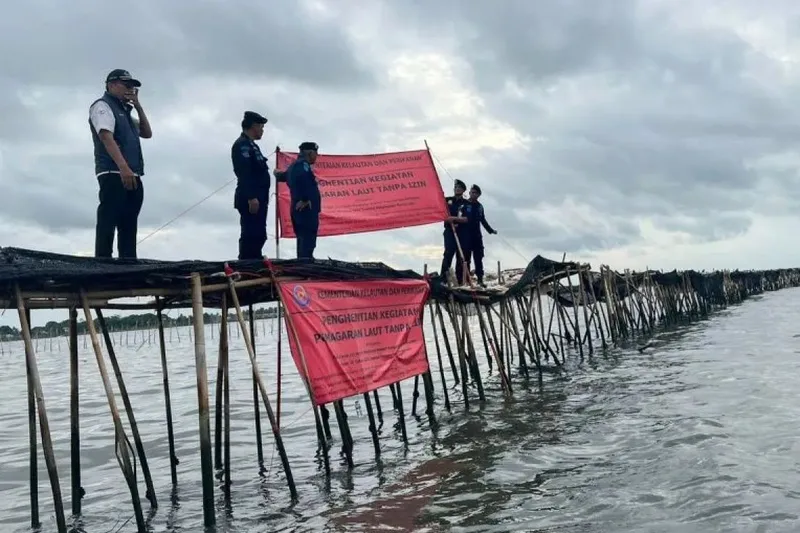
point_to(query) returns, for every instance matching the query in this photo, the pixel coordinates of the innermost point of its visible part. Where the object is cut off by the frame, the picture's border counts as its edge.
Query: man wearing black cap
(118, 163)
(251, 198)
(476, 218)
(457, 219)
(306, 200)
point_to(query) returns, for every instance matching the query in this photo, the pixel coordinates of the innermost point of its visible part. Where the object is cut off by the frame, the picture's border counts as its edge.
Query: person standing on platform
(457, 219)
(475, 219)
(251, 198)
(306, 200)
(118, 163)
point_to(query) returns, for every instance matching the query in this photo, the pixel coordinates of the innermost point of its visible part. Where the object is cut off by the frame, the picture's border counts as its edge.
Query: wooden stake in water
(223, 348)
(122, 446)
(226, 400)
(123, 391)
(263, 389)
(256, 409)
(33, 464)
(201, 370)
(223, 401)
(44, 424)
(173, 459)
(439, 357)
(75, 426)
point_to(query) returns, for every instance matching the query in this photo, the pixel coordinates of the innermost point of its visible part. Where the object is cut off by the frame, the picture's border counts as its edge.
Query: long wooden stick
(173, 459)
(123, 447)
(44, 424)
(126, 401)
(206, 465)
(74, 412)
(267, 406)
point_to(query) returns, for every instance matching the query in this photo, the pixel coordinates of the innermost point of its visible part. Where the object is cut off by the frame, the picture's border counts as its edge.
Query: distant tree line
(127, 323)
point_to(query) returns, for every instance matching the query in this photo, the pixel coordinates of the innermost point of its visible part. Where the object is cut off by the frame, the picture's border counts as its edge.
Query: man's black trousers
(118, 213)
(253, 233)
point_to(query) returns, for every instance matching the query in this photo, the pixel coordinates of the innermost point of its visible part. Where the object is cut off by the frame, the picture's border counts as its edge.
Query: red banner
(363, 193)
(356, 336)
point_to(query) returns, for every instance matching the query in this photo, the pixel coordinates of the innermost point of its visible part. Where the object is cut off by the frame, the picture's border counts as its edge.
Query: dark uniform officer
(251, 198)
(455, 206)
(473, 247)
(306, 200)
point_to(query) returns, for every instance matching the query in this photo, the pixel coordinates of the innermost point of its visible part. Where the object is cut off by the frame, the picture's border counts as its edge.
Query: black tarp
(43, 272)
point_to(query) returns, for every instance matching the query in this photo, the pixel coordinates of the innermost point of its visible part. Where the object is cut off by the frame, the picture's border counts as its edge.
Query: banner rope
(179, 215)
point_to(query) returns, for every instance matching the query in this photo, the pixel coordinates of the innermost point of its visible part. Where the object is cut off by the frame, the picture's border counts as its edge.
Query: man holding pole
(455, 232)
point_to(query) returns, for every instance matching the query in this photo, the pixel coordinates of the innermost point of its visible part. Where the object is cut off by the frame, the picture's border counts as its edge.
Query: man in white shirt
(119, 164)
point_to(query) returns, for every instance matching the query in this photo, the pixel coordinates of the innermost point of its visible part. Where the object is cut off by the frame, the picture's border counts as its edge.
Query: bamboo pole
(270, 414)
(33, 464)
(44, 424)
(439, 357)
(221, 361)
(583, 302)
(256, 409)
(74, 412)
(173, 459)
(122, 446)
(461, 357)
(226, 400)
(206, 465)
(373, 429)
(123, 391)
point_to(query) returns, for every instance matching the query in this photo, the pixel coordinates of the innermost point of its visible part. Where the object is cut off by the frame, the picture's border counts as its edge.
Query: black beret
(251, 117)
(459, 183)
(308, 145)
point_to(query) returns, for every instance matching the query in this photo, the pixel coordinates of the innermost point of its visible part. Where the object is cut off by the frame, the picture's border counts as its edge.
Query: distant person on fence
(118, 163)
(457, 218)
(306, 200)
(473, 248)
(251, 198)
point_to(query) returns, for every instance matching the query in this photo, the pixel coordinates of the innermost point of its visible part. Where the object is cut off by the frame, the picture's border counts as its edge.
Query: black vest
(126, 135)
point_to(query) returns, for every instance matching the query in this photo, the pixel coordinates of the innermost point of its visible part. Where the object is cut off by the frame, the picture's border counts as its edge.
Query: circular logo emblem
(301, 296)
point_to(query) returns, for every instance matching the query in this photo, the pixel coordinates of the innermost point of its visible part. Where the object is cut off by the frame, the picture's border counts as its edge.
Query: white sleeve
(102, 117)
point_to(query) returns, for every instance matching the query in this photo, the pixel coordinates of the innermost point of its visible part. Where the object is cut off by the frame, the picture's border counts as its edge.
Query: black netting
(44, 272)
(540, 270)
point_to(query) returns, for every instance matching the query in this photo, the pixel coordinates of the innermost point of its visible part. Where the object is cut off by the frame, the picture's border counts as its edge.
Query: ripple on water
(697, 433)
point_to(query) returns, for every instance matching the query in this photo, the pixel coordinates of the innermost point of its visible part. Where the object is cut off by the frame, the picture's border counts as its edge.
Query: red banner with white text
(356, 336)
(364, 193)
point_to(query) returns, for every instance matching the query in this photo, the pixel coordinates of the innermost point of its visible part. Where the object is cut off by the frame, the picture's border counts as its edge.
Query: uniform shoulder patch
(245, 151)
(306, 166)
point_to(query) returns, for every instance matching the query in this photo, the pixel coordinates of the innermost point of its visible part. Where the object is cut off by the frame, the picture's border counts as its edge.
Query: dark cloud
(179, 41)
(645, 108)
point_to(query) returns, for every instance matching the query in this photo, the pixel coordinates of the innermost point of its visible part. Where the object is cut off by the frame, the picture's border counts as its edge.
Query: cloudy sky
(632, 133)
